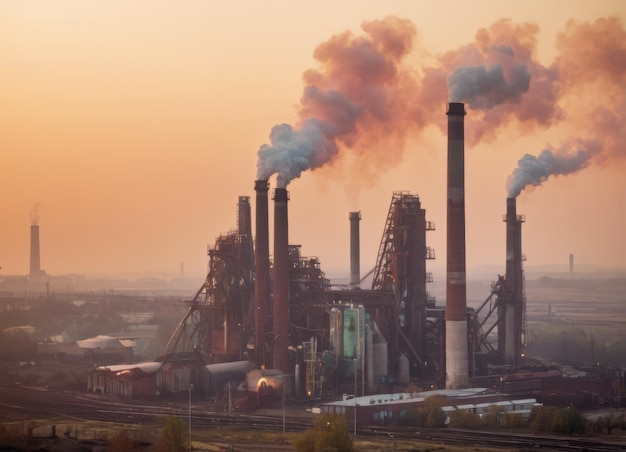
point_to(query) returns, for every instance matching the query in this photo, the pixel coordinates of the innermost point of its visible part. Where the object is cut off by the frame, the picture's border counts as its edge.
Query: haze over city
(128, 130)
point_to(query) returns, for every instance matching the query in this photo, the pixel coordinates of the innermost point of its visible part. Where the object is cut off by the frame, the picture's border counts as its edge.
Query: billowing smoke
(357, 100)
(486, 87)
(371, 92)
(592, 69)
(534, 171)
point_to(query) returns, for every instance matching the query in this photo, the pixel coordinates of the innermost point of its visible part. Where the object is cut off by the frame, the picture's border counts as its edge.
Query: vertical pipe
(355, 264)
(262, 269)
(280, 314)
(456, 293)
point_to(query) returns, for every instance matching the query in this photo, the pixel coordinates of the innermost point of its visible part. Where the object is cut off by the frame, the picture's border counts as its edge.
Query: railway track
(18, 403)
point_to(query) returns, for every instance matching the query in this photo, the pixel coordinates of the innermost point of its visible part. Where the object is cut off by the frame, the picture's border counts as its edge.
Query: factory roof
(407, 397)
(148, 367)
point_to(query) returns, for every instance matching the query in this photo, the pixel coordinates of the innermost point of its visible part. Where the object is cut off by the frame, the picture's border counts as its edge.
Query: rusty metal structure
(401, 270)
(218, 324)
(506, 304)
(277, 312)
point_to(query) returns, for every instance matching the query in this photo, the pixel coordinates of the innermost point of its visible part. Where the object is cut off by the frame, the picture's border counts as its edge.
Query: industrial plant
(263, 324)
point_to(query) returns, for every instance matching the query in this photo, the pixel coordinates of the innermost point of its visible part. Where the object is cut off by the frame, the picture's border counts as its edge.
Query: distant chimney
(35, 263)
(456, 291)
(261, 269)
(280, 314)
(355, 265)
(571, 264)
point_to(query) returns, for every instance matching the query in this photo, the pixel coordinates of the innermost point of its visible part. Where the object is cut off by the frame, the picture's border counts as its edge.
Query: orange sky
(133, 127)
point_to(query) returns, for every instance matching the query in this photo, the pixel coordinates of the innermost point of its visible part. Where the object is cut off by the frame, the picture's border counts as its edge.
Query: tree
(464, 419)
(432, 411)
(569, 420)
(492, 417)
(174, 435)
(329, 432)
(566, 420)
(609, 422)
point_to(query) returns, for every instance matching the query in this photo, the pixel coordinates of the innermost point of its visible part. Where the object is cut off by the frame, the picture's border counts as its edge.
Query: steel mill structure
(282, 314)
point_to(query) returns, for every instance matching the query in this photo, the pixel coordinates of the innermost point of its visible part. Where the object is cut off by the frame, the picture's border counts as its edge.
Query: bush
(566, 420)
(174, 436)
(492, 417)
(329, 432)
(464, 419)
(431, 414)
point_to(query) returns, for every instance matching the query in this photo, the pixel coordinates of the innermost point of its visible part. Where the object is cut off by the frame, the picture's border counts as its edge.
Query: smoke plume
(359, 99)
(34, 214)
(534, 170)
(371, 92)
(592, 75)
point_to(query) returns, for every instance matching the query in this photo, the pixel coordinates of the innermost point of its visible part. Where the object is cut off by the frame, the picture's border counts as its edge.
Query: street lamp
(190, 389)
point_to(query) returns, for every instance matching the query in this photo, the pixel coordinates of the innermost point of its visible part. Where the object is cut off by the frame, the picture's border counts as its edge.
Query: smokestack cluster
(456, 302)
(280, 314)
(355, 259)
(261, 269)
(365, 94)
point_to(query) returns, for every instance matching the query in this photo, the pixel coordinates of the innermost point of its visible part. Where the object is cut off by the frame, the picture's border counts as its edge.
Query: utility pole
(190, 389)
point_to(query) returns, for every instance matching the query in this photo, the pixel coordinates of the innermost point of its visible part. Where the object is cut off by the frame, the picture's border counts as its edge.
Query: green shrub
(329, 432)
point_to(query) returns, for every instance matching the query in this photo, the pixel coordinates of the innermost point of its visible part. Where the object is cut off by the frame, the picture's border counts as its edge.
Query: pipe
(456, 291)
(262, 269)
(280, 314)
(355, 264)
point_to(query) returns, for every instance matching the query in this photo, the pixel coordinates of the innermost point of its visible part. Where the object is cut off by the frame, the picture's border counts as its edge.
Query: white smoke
(534, 170)
(485, 87)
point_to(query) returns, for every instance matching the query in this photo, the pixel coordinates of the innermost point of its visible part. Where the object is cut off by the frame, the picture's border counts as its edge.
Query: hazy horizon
(129, 130)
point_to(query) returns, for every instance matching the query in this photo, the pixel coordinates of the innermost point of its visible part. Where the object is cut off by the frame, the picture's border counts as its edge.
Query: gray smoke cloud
(314, 143)
(534, 170)
(485, 87)
(360, 89)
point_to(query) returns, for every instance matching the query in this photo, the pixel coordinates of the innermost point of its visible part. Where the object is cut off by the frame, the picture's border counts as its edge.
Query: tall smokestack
(355, 259)
(280, 314)
(262, 269)
(35, 263)
(514, 316)
(456, 294)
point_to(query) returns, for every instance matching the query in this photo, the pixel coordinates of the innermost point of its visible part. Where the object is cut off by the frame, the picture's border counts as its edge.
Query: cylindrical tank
(403, 370)
(381, 363)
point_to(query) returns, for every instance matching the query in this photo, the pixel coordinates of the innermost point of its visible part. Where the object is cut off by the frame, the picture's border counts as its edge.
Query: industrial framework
(282, 313)
(218, 323)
